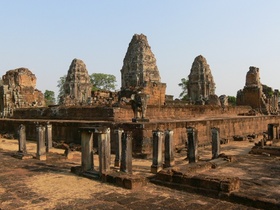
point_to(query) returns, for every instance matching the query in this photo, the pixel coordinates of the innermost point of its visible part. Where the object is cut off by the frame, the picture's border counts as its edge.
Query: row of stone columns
(104, 148)
(192, 142)
(157, 163)
(43, 137)
(123, 149)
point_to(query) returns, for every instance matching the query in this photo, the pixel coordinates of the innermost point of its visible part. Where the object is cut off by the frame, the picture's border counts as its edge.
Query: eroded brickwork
(254, 96)
(201, 83)
(19, 91)
(77, 87)
(140, 73)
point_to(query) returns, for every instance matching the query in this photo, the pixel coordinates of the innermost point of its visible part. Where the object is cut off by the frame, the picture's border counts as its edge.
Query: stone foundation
(68, 130)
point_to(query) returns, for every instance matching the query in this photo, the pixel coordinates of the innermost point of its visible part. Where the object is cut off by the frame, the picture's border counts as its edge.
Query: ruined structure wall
(64, 113)
(254, 96)
(251, 97)
(19, 77)
(156, 92)
(18, 91)
(125, 114)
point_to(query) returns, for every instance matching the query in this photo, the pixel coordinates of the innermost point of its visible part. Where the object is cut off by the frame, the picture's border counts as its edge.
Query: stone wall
(156, 93)
(125, 113)
(67, 113)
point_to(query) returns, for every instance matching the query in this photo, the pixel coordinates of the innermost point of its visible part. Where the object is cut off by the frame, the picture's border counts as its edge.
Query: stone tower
(253, 94)
(77, 86)
(140, 72)
(201, 83)
(139, 64)
(19, 91)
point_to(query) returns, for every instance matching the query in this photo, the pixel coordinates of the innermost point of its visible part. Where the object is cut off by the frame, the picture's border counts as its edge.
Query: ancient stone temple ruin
(253, 94)
(201, 83)
(140, 73)
(18, 91)
(141, 101)
(137, 122)
(77, 86)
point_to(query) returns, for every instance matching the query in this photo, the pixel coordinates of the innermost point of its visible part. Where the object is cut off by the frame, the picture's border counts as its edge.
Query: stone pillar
(104, 150)
(275, 131)
(49, 136)
(192, 145)
(262, 143)
(87, 150)
(215, 143)
(126, 156)
(157, 151)
(41, 143)
(270, 131)
(118, 146)
(22, 139)
(168, 153)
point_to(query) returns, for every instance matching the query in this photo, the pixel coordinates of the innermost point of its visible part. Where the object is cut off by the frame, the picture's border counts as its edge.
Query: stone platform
(120, 179)
(35, 184)
(250, 180)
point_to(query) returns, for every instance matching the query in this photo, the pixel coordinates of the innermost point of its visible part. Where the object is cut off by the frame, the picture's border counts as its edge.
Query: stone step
(91, 174)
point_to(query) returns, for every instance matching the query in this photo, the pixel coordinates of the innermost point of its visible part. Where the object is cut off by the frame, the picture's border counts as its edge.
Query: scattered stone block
(164, 175)
(239, 138)
(76, 170)
(230, 184)
(134, 183)
(119, 181)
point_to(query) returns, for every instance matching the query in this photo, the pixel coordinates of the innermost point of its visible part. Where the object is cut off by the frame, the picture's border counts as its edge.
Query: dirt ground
(35, 184)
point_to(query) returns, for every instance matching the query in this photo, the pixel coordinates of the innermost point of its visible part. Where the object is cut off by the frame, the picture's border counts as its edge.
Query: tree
(184, 85)
(102, 81)
(60, 84)
(268, 91)
(232, 100)
(49, 97)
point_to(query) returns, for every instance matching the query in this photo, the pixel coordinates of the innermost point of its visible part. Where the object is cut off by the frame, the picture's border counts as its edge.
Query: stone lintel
(98, 129)
(140, 120)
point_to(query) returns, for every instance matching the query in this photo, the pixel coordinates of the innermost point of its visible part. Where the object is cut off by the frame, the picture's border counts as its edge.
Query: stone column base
(155, 169)
(41, 157)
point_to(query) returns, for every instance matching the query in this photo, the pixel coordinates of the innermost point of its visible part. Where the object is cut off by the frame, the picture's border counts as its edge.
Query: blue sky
(45, 36)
